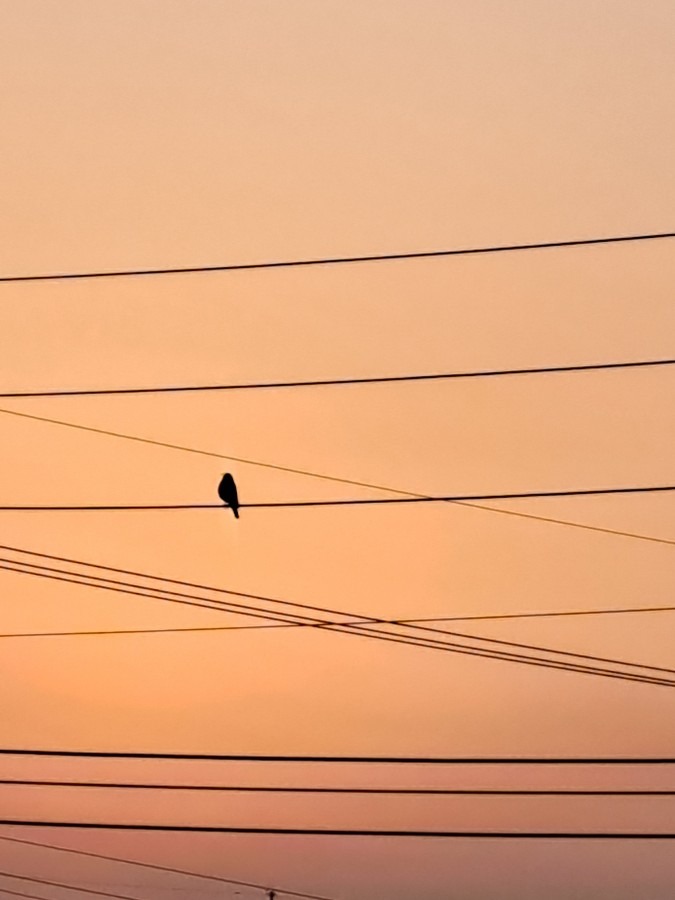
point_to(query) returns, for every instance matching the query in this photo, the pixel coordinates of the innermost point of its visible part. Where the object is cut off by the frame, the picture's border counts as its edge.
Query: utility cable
(369, 501)
(337, 260)
(337, 382)
(362, 619)
(332, 478)
(349, 832)
(365, 760)
(158, 868)
(244, 789)
(360, 630)
(360, 627)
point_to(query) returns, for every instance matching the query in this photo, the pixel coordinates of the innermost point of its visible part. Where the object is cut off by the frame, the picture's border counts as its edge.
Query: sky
(165, 133)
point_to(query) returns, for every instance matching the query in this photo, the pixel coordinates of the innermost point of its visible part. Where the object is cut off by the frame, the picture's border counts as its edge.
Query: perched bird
(227, 491)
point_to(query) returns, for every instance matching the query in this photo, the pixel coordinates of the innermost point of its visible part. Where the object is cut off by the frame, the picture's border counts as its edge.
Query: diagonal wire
(245, 609)
(191, 584)
(332, 478)
(157, 868)
(361, 628)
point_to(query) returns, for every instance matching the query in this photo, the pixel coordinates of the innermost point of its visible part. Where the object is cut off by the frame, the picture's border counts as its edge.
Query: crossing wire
(360, 628)
(332, 478)
(155, 867)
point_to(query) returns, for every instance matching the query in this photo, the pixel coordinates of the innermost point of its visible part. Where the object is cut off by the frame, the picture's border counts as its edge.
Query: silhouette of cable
(214, 589)
(349, 832)
(361, 627)
(362, 619)
(197, 628)
(59, 884)
(337, 260)
(158, 868)
(337, 382)
(362, 630)
(332, 478)
(354, 501)
(270, 789)
(25, 896)
(366, 760)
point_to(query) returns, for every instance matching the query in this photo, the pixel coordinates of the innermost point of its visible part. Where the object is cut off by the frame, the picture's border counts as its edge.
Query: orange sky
(169, 133)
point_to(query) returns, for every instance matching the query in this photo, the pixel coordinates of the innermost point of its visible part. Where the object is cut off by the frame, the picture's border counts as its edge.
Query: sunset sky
(170, 133)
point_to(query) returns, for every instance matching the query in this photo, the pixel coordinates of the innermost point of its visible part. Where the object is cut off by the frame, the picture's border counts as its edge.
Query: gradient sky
(158, 133)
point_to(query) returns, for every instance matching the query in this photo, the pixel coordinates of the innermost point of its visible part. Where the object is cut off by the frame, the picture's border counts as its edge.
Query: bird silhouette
(227, 491)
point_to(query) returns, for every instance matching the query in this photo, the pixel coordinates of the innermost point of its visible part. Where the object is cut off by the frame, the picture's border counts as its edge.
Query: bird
(227, 491)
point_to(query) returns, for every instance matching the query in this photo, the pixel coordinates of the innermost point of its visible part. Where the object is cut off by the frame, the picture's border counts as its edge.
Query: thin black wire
(336, 382)
(349, 832)
(412, 641)
(197, 585)
(197, 628)
(336, 260)
(361, 628)
(243, 789)
(366, 760)
(313, 621)
(237, 607)
(332, 478)
(25, 896)
(59, 884)
(370, 501)
(158, 868)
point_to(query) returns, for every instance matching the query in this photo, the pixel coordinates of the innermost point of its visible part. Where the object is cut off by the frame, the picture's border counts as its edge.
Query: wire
(237, 607)
(361, 628)
(158, 868)
(332, 478)
(335, 382)
(197, 585)
(340, 790)
(349, 832)
(335, 260)
(367, 760)
(414, 640)
(370, 501)
(22, 894)
(198, 628)
(58, 884)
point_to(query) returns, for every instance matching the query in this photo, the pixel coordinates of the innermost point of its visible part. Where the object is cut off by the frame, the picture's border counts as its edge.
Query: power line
(244, 789)
(364, 501)
(212, 588)
(350, 832)
(325, 477)
(336, 382)
(197, 628)
(361, 628)
(365, 760)
(25, 896)
(337, 260)
(413, 640)
(59, 884)
(157, 868)
(246, 609)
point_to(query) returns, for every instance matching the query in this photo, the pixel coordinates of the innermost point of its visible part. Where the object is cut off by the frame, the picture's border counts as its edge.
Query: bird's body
(227, 491)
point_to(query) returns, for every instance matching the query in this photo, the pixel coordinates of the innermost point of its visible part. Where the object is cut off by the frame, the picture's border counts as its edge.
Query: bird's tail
(236, 512)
